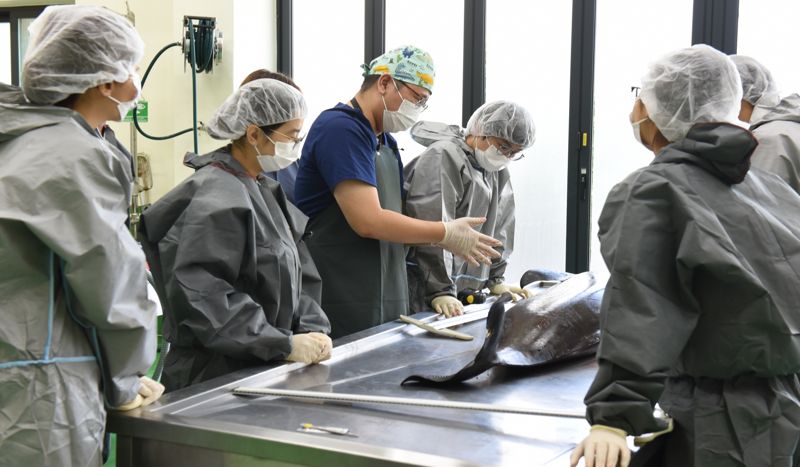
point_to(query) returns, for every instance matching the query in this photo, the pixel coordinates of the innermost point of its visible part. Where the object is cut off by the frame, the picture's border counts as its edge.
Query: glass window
(24, 38)
(5, 53)
(528, 61)
(766, 33)
(327, 72)
(621, 58)
(412, 22)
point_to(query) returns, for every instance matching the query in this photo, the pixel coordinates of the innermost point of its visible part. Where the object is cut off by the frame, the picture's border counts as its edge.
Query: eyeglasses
(510, 152)
(295, 140)
(421, 101)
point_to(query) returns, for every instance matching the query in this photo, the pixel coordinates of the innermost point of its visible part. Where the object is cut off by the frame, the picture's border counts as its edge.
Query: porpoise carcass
(559, 322)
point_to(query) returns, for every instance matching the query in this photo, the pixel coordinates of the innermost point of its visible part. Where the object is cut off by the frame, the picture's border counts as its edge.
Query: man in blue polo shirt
(349, 185)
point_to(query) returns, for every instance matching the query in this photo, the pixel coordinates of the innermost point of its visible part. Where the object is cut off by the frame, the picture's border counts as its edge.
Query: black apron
(363, 280)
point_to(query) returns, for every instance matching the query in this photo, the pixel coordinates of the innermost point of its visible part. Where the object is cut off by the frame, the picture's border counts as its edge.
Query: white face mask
(637, 131)
(401, 119)
(124, 107)
(285, 154)
(491, 159)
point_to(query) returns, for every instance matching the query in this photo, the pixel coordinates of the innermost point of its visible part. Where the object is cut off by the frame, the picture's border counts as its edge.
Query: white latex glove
(646, 438)
(135, 403)
(461, 239)
(447, 305)
(517, 293)
(150, 391)
(604, 447)
(307, 348)
(327, 345)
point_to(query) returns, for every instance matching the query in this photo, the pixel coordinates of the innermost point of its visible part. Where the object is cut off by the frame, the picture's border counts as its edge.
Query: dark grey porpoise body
(559, 322)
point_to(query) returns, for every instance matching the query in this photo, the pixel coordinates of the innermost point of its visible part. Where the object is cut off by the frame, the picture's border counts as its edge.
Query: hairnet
(76, 47)
(758, 87)
(261, 102)
(505, 120)
(688, 86)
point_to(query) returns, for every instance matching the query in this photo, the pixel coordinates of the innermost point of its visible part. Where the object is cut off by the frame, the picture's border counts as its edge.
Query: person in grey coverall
(76, 328)
(701, 313)
(465, 173)
(775, 122)
(226, 247)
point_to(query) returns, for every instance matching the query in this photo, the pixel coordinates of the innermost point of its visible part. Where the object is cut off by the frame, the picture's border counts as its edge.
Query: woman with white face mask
(226, 248)
(350, 185)
(464, 174)
(286, 176)
(76, 327)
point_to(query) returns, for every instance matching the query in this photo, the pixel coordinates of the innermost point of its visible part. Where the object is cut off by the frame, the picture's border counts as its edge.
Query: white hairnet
(261, 102)
(758, 87)
(505, 120)
(76, 47)
(688, 86)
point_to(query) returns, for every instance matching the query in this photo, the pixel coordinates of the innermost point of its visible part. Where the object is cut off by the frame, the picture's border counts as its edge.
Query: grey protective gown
(444, 183)
(74, 306)
(778, 135)
(702, 309)
(232, 270)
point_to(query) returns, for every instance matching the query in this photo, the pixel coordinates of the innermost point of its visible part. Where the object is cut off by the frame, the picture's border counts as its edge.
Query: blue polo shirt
(339, 146)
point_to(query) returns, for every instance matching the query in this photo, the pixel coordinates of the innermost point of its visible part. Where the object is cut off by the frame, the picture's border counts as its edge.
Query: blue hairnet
(261, 102)
(76, 47)
(505, 120)
(689, 86)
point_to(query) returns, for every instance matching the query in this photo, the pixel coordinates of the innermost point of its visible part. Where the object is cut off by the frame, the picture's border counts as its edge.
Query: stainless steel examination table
(207, 425)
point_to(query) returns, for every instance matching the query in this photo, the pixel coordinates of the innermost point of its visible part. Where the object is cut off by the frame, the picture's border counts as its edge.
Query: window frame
(714, 22)
(12, 15)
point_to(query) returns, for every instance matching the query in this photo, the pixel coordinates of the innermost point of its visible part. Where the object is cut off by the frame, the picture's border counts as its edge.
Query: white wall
(255, 44)
(17, 3)
(168, 89)
(249, 43)
(248, 28)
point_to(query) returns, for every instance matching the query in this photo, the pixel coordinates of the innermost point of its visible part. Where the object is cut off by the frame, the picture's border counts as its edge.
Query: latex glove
(447, 305)
(604, 447)
(327, 345)
(150, 391)
(517, 293)
(461, 239)
(306, 348)
(134, 404)
(644, 439)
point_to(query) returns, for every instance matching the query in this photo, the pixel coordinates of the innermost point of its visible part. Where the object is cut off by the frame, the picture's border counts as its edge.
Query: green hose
(144, 78)
(204, 55)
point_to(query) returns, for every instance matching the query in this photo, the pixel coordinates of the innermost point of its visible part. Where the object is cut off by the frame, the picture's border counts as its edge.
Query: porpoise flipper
(486, 357)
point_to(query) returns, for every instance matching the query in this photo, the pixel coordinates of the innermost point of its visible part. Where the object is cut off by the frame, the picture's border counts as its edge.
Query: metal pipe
(340, 397)
(192, 52)
(134, 207)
